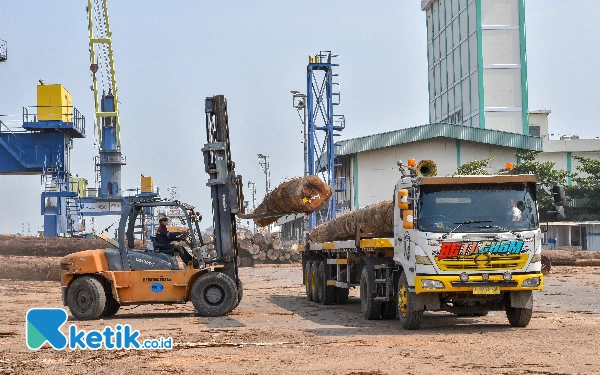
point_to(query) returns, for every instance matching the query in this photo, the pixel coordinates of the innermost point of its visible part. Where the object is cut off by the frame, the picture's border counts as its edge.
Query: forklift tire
(315, 282)
(327, 291)
(86, 298)
(240, 293)
(307, 279)
(111, 307)
(214, 294)
(371, 309)
(410, 317)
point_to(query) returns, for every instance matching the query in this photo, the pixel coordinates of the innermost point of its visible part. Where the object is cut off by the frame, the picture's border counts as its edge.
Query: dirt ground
(276, 331)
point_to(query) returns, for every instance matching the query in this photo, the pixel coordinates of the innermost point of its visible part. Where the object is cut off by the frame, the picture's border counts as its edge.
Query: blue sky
(170, 55)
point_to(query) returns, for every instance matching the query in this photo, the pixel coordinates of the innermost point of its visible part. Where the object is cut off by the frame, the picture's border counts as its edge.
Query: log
(258, 239)
(262, 255)
(208, 239)
(48, 246)
(300, 195)
(377, 218)
(272, 254)
(245, 244)
(277, 244)
(287, 256)
(254, 249)
(269, 237)
(246, 262)
(587, 262)
(546, 265)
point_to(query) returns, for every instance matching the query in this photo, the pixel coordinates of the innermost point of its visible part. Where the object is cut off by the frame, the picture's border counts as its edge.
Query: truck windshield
(477, 208)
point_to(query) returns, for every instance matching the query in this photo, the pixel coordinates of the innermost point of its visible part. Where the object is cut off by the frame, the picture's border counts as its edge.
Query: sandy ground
(276, 331)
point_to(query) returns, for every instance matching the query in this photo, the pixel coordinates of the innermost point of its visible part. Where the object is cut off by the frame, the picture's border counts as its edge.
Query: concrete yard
(275, 330)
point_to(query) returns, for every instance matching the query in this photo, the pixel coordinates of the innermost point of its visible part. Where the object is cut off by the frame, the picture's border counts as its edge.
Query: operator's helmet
(162, 217)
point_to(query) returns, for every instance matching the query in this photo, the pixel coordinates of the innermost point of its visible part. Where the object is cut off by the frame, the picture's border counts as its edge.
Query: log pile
(377, 218)
(258, 248)
(300, 195)
(573, 257)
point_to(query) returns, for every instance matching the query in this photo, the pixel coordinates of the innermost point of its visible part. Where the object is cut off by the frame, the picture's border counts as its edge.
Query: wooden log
(245, 244)
(48, 246)
(587, 262)
(300, 195)
(208, 239)
(377, 218)
(272, 254)
(287, 256)
(258, 239)
(269, 237)
(282, 259)
(254, 249)
(546, 265)
(262, 255)
(277, 244)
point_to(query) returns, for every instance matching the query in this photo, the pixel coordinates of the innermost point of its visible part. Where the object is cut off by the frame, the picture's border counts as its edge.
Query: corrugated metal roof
(419, 133)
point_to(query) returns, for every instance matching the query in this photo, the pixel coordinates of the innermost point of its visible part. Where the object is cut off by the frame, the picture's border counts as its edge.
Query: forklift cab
(158, 258)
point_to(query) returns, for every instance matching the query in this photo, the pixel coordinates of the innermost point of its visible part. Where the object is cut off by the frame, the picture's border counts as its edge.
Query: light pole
(299, 102)
(252, 187)
(263, 160)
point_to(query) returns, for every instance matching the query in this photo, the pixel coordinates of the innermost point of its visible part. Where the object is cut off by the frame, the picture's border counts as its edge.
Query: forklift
(96, 283)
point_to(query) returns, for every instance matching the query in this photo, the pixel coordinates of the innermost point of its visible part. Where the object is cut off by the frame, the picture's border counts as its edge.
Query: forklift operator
(164, 239)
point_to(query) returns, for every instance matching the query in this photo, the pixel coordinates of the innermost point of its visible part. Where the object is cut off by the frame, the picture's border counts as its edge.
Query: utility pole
(252, 187)
(263, 160)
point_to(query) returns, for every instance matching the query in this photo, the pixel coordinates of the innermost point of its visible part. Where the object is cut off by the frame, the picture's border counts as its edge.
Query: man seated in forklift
(164, 239)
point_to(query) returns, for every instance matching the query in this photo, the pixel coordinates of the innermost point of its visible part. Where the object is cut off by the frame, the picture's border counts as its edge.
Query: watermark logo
(43, 326)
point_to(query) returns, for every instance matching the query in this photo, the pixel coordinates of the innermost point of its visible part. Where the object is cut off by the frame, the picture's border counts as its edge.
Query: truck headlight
(432, 284)
(536, 258)
(528, 283)
(422, 259)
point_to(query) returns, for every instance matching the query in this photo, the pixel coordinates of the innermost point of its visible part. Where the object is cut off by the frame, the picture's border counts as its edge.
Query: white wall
(378, 173)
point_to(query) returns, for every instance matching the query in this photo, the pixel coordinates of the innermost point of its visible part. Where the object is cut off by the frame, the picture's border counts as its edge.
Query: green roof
(419, 133)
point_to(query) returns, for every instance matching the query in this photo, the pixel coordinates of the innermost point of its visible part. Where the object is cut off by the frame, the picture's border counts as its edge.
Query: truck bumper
(452, 283)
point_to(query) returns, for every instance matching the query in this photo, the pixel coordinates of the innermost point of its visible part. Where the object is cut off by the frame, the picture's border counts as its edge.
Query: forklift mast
(226, 188)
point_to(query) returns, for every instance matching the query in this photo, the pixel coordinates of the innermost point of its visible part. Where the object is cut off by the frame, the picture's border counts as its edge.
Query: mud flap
(522, 299)
(428, 301)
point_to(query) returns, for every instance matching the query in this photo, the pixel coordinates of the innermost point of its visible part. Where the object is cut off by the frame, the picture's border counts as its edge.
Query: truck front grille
(483, 262)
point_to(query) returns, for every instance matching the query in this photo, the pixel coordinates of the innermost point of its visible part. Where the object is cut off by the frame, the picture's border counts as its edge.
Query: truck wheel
(86, 298)
(111, 307)
(214, 294)
(518, 317)
(327, 291)
(341, 295)
(240, 293)
(371, 309)
(410, 317)
(314, 281)
(389, 310)
(307, 283)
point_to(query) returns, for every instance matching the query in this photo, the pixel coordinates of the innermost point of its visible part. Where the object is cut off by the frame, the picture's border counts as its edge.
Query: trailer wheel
(371, 309)
(410, 317)
(327, 291)
(518, 317)
(314, 280)
(341, 296)
(389, 310)
(214, 294)
(307, 279)
(86, 298)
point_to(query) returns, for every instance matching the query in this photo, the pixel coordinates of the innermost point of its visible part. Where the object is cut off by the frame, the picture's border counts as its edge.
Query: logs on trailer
(377, 218)
(300, 195)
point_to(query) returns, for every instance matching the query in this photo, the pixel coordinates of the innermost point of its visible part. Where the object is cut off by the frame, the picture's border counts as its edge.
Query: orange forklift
(96, 283)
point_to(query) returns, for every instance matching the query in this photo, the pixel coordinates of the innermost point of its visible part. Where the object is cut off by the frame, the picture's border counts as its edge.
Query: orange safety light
(509, 166)
(412, 163)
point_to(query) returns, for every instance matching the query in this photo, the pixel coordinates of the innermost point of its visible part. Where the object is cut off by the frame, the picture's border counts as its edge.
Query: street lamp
(299, 102)
(263, 160)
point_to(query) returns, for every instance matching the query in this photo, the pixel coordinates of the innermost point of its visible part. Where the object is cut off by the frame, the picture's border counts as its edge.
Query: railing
(12, 143)
(67, 114)
(3, 50)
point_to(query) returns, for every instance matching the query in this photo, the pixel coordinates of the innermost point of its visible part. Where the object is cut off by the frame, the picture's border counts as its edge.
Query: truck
(462, 244)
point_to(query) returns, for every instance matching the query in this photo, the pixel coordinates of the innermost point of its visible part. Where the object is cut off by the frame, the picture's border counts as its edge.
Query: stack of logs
(258, 248)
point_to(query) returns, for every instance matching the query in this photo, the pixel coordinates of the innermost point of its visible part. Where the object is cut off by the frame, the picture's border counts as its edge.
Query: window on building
(534, 130)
